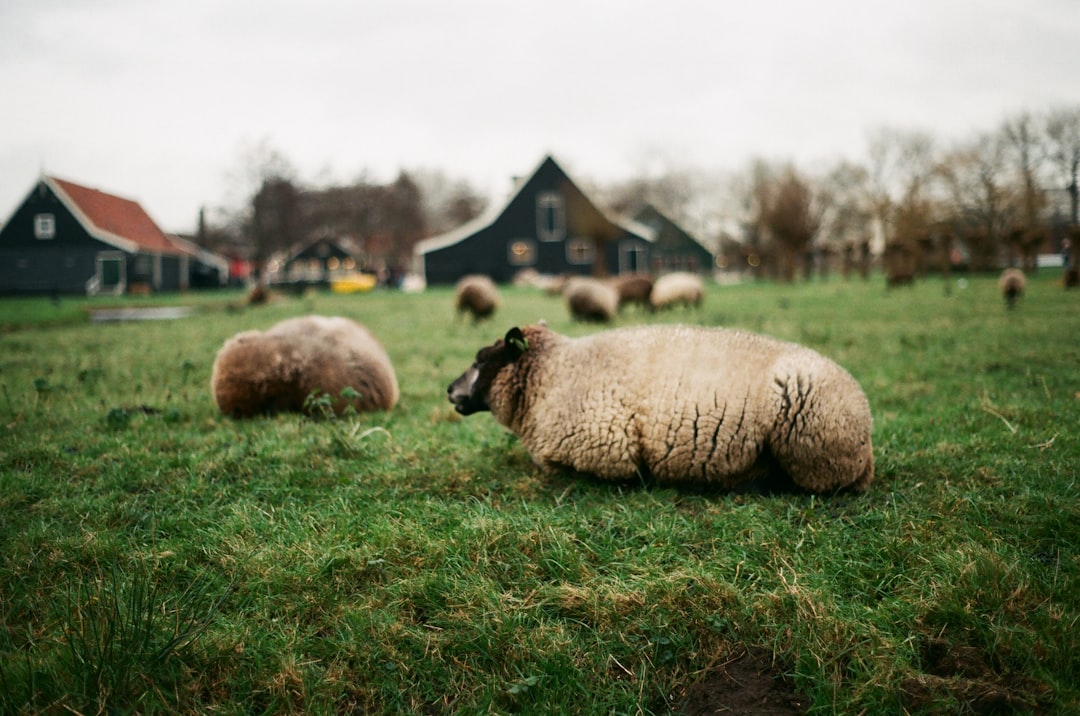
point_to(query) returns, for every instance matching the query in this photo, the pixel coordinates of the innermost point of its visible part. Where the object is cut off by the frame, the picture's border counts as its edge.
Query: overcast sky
(158, 101)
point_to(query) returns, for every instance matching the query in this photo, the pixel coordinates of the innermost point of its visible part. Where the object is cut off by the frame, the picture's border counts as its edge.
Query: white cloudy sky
(158, 99)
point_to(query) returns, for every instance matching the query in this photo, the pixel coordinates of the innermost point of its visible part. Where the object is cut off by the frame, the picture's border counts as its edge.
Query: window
(550, 217)
(580, 251)
(44, 226)
(631, 257)
(521, 252)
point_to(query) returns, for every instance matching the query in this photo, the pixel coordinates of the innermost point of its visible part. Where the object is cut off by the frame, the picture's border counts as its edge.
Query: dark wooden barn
(548, 225)
(317, 261)
(66, 238)
(674, 249)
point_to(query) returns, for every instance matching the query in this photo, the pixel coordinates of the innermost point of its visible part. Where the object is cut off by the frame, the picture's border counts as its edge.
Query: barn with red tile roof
(67, 238)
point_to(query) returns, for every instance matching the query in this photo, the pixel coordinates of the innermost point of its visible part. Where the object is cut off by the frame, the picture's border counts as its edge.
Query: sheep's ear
(516, 343)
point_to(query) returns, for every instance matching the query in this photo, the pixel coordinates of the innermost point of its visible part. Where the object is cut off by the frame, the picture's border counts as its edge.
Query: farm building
(673, 248)
(548, 225)
(66, 238)
(317, 261)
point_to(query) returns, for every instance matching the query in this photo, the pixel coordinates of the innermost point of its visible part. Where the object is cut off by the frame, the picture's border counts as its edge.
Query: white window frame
(529, 257)
(587, 248)
(44, 226)
(550, 216)
(628, 248)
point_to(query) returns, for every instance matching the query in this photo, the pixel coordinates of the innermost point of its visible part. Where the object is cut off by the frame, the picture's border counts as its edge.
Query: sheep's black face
(469, 393)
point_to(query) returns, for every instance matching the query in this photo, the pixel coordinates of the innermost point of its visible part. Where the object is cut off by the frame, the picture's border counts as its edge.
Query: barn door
(631, 258)
(111, 272)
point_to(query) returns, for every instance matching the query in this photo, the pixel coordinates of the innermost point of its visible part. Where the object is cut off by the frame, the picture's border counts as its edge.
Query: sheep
(1012, 284)
(680, 287)
(477, 295)
(590, 299)
(633, 288)
(548, 283)
(674, 404)
(279, 370)
(258, 295)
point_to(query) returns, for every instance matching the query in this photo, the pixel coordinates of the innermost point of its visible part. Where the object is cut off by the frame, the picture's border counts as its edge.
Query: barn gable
(674, 248)
(317, 261)
(547, 224)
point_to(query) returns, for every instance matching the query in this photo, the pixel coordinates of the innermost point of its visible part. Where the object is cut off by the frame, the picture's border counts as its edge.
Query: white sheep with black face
(259, 372)
(676, 404)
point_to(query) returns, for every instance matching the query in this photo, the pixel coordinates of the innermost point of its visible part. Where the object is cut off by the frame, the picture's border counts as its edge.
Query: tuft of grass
(118, 628)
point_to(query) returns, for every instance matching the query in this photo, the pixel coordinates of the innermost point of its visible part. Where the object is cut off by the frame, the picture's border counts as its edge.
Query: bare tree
(447, 202)
(902, 164)
(753, 190)
(982, 205)
(788, 216)
(403, 218)
(1063, 139)
(275, 221)
(846, 216)
(1025, 152)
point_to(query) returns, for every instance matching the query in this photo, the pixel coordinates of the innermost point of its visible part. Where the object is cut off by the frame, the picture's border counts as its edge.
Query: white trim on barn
(93, 229)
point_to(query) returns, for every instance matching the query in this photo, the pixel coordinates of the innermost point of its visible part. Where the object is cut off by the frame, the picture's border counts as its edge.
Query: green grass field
(157, 557)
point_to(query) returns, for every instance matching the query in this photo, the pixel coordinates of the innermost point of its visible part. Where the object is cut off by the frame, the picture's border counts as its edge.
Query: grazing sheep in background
(633, 288)
(553, 285)
(590, 299)
(548, 283)
(277, 370)
(526, 278)
(679, 288)
(894, 279)
(1012, 284)
(476, 295)
(679, 404)
(258, 295)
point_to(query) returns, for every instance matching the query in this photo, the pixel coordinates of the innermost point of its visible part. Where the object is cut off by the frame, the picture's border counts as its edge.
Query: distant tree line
(278, 213)
(914, 205)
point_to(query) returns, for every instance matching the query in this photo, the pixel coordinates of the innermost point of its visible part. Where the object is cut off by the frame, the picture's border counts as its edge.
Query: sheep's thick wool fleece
(279, 369)
(686, 405)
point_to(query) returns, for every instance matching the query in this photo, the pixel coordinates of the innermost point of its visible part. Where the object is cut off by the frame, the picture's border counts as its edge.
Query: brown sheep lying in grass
(678, 404)
(299, 359)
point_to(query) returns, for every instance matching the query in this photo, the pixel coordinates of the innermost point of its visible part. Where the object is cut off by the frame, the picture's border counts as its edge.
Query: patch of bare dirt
(962, 673)
(948, 674)
(747, 684)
